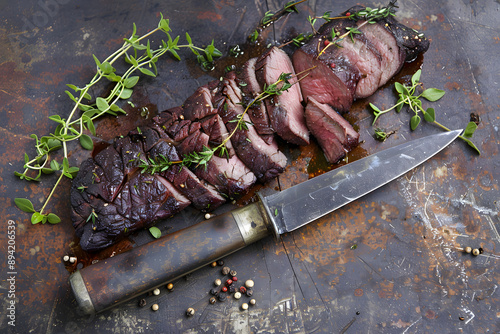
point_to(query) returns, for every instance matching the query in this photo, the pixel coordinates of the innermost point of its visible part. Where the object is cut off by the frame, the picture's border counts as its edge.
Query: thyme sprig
(201, 159)
(407, 97)
(270, 17)
(136, 51)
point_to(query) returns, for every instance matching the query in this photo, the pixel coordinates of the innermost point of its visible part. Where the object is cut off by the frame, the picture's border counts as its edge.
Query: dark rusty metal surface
(387, 263)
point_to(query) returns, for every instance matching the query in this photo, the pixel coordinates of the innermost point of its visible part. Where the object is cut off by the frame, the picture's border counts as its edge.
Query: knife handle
(130, 274)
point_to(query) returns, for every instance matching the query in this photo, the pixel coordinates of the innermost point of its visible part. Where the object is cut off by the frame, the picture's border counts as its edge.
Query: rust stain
(212, 16)
(358, 292)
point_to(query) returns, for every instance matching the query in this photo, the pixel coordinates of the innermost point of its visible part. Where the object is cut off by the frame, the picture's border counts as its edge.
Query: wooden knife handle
(128, 275)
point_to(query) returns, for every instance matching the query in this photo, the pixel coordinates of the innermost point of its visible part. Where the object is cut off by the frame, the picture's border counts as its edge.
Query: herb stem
(52, 192)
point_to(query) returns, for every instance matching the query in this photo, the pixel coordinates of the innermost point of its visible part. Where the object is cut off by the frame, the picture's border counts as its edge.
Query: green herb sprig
(142, 58)
(407, 96)
(270, 17)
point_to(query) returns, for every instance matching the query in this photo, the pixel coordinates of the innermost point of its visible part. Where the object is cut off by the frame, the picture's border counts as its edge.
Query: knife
(130, 274)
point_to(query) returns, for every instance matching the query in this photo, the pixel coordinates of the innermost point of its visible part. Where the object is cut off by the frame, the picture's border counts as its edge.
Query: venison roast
(123, 189)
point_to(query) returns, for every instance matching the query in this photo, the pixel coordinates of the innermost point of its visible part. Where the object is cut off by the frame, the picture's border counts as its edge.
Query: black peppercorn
(221, 297)
(214, 292)
(142, 302)
(232, 288)
(212, 300)
(249, 293)
(220, 263)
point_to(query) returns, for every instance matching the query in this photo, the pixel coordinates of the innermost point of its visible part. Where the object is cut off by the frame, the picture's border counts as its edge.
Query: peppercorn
(326, 42)
(252, 302)
(212, 300)
(243, 289)
(66, 258)
(249, 283)
(224, 289)
(217, 282)
(155, 307)
(237, 295)
(220, 263)
(156, 292)
(213, 264)
(244, 306)
(475, 252)
(221, 297)
(225, 271)
(170, 286)
(249, 293)
(235, 279)
(468, 250)
(231, 288)
(213, 292)
(142, 302)
(229, 282)
(332, 65)
(233, 273)
(190, 312)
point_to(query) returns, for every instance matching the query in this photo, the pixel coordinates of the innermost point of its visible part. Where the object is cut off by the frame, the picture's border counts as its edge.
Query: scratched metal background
(406, 274)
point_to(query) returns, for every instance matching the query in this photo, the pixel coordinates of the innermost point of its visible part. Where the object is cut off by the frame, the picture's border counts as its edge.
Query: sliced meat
(130, 151)
(217, 132)
(198, 105)
(264, 160)
(229, 176)
(285, 111)
(142, 200)
(202, 195)
(334, 134)
(393, 57)
(247, 81)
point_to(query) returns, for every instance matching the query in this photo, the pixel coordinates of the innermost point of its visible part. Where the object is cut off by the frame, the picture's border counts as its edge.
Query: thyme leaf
(408, 96)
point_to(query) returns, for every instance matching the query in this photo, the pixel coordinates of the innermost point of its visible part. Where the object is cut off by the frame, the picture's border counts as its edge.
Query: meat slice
(142, 200)
(334, 134)
(199, 105)
(247, 80)
(393, 57)
(202, 195)
(285, 111)
(264, 160)
(228, 175)
(131, 151)
(217, 132)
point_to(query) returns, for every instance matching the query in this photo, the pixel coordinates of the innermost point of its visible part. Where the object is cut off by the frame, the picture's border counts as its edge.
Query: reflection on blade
(310, 200)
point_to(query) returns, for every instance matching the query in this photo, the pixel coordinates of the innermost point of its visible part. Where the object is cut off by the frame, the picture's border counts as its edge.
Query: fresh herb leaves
(407, 97)
(142, 58)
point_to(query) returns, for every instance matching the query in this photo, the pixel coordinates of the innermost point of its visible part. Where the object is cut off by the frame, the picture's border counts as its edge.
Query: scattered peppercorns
(244, 306)
(217, 282)
(252, 302)
(213, 264)
(468, 250)
(249, 293)
(212, 300)
(233, 273)
(231, 288)
(220, 263)
(229, 282)
(66, 258)
(224, 289)
(237, 295)
(235, 279)
(142, 302)
(155, 307)
(243, 289)
(249, 284)
(225, 271)
(475, 252)
(190, 312)
(156, 292)
(170, 286)
(213, 292)
(221, 297)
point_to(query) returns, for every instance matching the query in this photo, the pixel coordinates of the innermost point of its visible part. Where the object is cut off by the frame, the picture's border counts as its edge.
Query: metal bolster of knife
(271, 222)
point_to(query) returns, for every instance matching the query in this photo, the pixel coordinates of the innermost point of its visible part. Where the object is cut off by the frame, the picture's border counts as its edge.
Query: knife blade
(123, 277)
